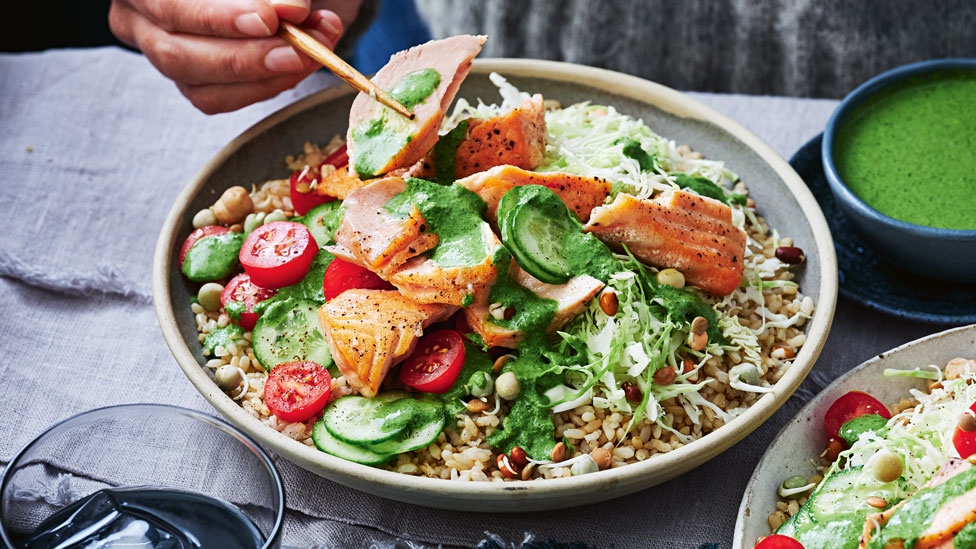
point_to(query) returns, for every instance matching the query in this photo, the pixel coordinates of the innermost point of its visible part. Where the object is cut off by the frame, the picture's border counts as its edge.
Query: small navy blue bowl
(947, 254)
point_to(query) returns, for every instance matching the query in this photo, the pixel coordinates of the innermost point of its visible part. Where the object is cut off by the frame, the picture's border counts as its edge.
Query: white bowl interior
(258, 155)
(798, 445)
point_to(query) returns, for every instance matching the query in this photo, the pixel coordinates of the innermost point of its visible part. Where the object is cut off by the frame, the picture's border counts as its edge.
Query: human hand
(223, 54)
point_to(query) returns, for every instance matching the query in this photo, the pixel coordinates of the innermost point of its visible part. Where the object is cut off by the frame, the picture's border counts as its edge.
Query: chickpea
(507, 386)
(671, 277)
(233, 206)
(209, 296)
(204, 218)
(229, 378)
(886, 466)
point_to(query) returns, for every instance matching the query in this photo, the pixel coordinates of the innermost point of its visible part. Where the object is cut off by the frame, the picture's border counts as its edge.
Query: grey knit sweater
(784, 47)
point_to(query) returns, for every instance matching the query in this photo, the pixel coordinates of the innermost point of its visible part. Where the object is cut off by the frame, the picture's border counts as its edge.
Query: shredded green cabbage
(590, 140)
(922, 435)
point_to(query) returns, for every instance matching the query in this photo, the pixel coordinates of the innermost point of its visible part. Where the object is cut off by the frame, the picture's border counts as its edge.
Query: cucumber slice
(324, 441)
(323, 220)
(418, 436)
(289, 331)
(534, 223)
(835, 513)
(360, 420)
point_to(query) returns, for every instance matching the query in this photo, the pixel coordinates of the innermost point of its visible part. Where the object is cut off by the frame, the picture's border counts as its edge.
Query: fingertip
(294, 11)
(327, 23)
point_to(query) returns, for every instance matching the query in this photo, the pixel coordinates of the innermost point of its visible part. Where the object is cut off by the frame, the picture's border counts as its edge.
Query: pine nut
(602, 458)
(476, 406)
(609, 303)
(967, 421)
(665, 375)
(875, 501)
(559, 452)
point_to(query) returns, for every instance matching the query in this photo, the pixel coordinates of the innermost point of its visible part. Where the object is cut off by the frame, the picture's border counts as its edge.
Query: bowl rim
(744, 512)
(601, 485)
(273, 539)
(855, 99)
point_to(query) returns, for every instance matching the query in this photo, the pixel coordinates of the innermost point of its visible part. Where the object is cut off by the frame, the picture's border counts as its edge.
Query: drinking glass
(155, 446)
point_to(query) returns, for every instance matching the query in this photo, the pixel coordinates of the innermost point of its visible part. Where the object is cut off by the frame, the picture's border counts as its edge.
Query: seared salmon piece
(571, 298)
(581, 194)
(371, 236)
(369, 331)
(451, 58)
(425, 281)
(339, 183)
(517, 137)
(943, 525)
(682, 230)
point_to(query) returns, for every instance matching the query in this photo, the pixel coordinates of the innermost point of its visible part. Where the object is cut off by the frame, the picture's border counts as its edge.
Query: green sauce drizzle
(378, 140)
(221, 336)
(445, 152)
(915, 516)
(453, 213)
(415, 87)
(213, 257)
(851, 430)
(632, 149)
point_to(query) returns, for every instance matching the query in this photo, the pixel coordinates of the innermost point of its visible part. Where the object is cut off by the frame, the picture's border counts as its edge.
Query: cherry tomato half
(777, 541)
(196, 235)
(965, 441)
(278, 254)
(301, 201)
(241, 288)
(342, 275)
(296, 391)
(435, 364)
(849, 406)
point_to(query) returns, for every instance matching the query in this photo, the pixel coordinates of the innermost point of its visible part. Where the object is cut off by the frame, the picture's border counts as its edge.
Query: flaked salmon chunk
(425, 281)
(681, 230)
(451, 58)
(369, 331)
(580, 194)
(371, 236)
(571, 298)
(517, 138)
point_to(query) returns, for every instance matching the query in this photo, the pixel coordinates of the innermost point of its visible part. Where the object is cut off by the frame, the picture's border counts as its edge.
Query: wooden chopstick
(314, 49)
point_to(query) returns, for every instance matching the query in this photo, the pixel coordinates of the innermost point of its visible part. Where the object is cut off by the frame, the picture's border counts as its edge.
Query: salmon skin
(339, 183)
(517, 138)
(571, 298)
(580, 194)
(369, 331)
(451, 58)
(943, 525)
(681, 230)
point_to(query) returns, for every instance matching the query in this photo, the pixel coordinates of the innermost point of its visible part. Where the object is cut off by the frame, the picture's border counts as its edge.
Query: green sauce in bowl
(909, 151)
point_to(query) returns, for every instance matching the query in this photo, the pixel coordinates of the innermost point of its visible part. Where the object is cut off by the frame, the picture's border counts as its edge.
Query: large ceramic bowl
(802, 439)
(948, 254)
(258, 154)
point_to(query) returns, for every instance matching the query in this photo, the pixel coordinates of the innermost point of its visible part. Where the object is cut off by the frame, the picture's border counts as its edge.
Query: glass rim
(277, 528)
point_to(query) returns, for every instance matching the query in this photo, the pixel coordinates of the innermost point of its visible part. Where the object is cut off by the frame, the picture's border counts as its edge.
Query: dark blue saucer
(869, 280)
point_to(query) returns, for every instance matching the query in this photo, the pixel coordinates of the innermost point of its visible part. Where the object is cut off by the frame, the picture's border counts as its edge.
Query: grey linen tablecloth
(94, 147)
